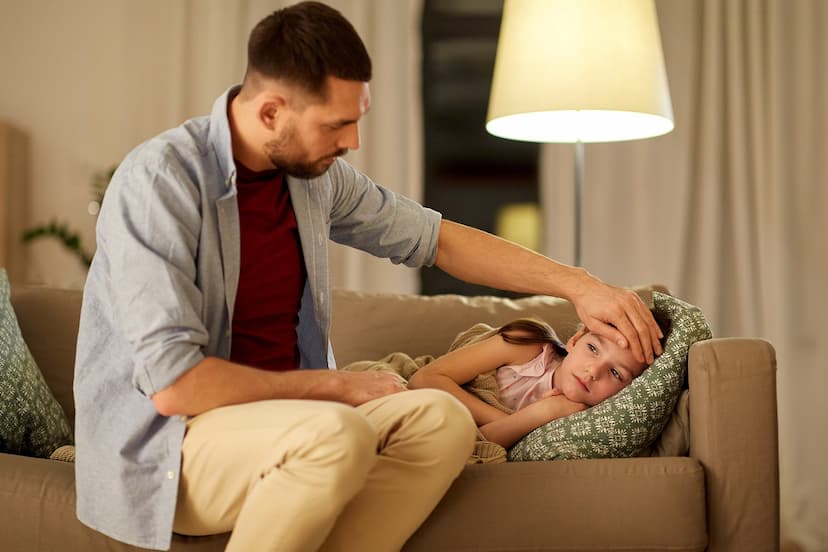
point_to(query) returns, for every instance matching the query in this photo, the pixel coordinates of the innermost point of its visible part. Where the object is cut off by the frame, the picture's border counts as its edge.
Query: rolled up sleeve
(151, 222)
(383, 223)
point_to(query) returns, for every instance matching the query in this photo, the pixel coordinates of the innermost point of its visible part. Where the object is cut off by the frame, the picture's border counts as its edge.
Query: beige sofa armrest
(733, 433)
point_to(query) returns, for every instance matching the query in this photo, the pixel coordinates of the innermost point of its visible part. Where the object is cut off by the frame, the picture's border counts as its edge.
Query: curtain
(392, 151)
(729, 209)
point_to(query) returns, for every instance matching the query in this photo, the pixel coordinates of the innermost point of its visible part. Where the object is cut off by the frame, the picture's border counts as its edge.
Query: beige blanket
(483, 386)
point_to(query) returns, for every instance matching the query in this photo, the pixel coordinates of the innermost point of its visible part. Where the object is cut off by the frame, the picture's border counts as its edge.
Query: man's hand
(620, 315)
(356, 388)
(613, 312)
(215, 382)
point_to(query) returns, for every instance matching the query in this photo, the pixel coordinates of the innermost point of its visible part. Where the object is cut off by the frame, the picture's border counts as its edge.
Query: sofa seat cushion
(602, 504)
(31, 421)
(37, 512)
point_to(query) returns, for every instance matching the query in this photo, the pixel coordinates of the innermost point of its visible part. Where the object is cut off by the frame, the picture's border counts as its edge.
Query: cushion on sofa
(32, 423)
(630, 421)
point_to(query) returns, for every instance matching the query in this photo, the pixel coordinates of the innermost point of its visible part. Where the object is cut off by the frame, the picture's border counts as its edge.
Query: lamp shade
(579, 70)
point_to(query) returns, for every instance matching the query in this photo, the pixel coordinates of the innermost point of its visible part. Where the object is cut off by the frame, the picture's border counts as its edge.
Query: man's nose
(349, 138)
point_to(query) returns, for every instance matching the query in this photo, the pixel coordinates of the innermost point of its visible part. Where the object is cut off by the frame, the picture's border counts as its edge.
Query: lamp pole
(579, 188)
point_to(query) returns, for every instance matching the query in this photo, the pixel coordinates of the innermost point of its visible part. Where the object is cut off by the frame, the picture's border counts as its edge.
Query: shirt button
(319, 239)
(170, 475)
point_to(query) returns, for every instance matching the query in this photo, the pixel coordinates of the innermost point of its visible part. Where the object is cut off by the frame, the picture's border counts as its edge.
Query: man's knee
(344, 445)
(448, 422)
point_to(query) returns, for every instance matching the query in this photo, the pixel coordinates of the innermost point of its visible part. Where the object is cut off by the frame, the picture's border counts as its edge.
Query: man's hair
(305, 43)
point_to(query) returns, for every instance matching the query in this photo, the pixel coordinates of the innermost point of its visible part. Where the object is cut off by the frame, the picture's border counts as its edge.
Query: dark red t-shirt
(272, 276)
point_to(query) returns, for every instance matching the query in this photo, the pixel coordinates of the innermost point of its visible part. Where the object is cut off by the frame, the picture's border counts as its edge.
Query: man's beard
(275, 151)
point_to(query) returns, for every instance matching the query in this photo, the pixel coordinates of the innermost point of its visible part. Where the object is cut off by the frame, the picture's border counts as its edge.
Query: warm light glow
(586, 126)
(520, 223)
(588, 70)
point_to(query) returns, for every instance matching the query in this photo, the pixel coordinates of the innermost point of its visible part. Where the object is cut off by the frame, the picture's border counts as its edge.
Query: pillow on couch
(32, 422)
(630, 421)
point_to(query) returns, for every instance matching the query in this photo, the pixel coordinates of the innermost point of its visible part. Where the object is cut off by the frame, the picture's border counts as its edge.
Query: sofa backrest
(368, 326)
(48, 320)
(365, 326)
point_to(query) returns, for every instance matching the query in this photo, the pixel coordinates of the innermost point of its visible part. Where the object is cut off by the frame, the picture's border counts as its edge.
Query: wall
(88, 80)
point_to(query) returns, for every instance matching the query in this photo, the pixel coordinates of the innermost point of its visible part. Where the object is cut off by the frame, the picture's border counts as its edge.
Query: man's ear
(574, 339)
(270, 110)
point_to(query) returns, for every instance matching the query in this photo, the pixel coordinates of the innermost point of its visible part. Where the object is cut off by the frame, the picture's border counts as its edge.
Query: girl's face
(595, 369)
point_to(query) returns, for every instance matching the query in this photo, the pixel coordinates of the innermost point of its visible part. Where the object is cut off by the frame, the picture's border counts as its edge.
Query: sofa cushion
(630, 421)
(620, 504)
(31, 421)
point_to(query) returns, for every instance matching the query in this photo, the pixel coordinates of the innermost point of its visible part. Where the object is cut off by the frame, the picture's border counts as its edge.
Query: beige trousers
(293, 475)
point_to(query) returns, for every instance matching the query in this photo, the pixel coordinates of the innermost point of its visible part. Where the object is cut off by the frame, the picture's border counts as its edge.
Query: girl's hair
(538, 332)
(541, 332)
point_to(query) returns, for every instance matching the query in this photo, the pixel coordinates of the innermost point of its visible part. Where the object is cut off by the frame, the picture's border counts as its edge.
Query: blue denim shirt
(159, 298)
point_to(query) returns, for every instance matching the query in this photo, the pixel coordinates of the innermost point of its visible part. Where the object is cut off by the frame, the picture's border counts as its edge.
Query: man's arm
(615, 313)
(216, 382)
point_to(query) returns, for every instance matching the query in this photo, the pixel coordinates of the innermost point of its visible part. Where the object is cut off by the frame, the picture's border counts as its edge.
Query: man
(209, 290)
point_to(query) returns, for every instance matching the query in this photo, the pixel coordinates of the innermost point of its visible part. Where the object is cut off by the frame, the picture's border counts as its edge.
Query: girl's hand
(556, 405)
(507, 430)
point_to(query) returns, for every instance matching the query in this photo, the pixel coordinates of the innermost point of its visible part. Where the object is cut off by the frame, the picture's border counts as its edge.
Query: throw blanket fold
(483, 386)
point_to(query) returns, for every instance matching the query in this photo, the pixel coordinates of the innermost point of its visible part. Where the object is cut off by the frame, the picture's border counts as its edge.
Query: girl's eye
(616, 373)
(592, 348)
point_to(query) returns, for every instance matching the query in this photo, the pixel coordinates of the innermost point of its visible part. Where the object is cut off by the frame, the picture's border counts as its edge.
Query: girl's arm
(453, 369)
(506, 430)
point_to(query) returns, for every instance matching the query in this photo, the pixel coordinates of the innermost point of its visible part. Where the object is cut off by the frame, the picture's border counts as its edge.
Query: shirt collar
(219, 135)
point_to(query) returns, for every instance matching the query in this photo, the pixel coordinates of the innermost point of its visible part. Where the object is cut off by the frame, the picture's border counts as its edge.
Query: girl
(538, 378)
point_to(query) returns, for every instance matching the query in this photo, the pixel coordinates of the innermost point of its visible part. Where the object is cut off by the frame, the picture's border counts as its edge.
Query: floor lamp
(578, 71)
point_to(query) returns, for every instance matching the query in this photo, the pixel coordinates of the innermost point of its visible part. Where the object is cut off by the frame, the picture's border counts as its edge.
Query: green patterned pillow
(32, 422)
(631, 420)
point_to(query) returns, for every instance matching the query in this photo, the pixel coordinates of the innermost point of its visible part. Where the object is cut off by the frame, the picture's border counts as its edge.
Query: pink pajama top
(523, 384)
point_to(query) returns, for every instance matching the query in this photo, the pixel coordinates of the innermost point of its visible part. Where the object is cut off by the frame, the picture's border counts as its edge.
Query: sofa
(722, 496)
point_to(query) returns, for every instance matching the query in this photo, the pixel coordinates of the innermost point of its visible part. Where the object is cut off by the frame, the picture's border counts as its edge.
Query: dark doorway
(469, 174)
